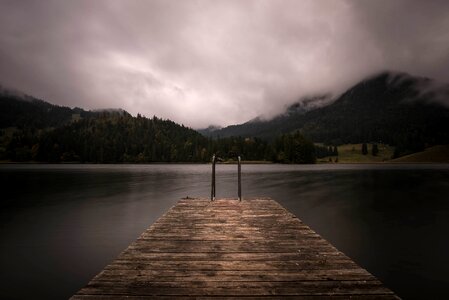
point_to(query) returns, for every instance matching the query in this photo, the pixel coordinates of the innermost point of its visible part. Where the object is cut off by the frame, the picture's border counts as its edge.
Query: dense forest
(389, 108)
(385, 109)
(44, 132)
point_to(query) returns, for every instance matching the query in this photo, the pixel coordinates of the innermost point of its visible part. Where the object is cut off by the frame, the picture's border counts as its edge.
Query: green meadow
(352, 153)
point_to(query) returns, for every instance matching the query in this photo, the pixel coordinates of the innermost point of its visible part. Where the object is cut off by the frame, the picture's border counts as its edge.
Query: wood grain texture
(227, 249)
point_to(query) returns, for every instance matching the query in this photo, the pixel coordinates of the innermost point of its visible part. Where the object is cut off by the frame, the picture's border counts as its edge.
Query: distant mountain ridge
(34, 130)
(207, 131)
(37, 131)
(23, 111)
(390, 108)
(269, 129)
(393, 108)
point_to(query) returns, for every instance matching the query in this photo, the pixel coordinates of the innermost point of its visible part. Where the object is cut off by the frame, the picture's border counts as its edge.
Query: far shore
(389, 162)
(245, 162)
(347, 154)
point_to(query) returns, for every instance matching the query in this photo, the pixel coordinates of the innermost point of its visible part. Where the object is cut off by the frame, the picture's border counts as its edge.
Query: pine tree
(374, 150)
(364, 149)
(335, 152)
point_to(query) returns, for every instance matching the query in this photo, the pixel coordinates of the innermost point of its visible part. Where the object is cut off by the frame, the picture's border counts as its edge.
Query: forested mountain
(34, 130)
(270, 129)
(209, 130)
(391, 108)
(394, 109)
(23, 111)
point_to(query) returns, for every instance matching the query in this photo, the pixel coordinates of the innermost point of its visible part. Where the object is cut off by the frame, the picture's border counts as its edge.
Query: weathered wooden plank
(297, 297)
(228, 249)
(244, 256)
(235, 236)
(301, 286)
(170, 276)
(236, 288)
(291, 267)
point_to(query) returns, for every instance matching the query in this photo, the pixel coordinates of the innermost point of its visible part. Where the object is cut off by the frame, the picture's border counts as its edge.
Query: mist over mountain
(32, 129)
(409, 113)
(390, 107)
(209, 130)
(23, 111)
(262, 127)
(35, 130)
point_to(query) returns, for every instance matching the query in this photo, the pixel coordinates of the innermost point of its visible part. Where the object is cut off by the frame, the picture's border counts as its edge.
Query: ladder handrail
(239, 171)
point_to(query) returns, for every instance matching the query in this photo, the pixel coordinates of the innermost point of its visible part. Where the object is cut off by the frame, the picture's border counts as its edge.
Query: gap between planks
(229, 249)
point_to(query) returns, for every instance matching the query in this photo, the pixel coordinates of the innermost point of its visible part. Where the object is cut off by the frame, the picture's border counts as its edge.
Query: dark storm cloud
(213, 62)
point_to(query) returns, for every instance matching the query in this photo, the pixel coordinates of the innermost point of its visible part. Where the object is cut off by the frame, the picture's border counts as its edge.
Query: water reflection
(61, 224)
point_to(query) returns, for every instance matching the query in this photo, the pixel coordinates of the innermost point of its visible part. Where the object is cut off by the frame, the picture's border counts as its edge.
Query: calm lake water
(61, 224)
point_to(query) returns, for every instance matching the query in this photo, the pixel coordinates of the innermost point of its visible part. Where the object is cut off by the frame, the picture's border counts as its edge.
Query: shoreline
(221, 163)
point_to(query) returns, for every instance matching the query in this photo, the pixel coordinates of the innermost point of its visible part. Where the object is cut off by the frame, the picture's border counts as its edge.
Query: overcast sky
(213, 62)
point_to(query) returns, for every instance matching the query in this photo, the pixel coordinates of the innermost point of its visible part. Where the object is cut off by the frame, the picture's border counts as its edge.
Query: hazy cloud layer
(213, 62)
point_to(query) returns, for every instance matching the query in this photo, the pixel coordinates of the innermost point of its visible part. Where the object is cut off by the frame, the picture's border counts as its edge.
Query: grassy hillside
(352, 153)
(436, 154)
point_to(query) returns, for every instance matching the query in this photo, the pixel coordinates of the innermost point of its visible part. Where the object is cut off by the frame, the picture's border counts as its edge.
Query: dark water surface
(61, 224)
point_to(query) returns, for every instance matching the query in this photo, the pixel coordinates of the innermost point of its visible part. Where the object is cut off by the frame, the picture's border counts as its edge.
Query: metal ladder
(214, 161)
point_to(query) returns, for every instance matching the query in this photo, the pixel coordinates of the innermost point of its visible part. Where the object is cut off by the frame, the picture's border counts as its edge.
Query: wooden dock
(230, 249)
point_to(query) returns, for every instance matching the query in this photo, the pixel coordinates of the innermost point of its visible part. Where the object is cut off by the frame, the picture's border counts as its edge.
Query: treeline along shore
(118, 137)
(378, 119)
